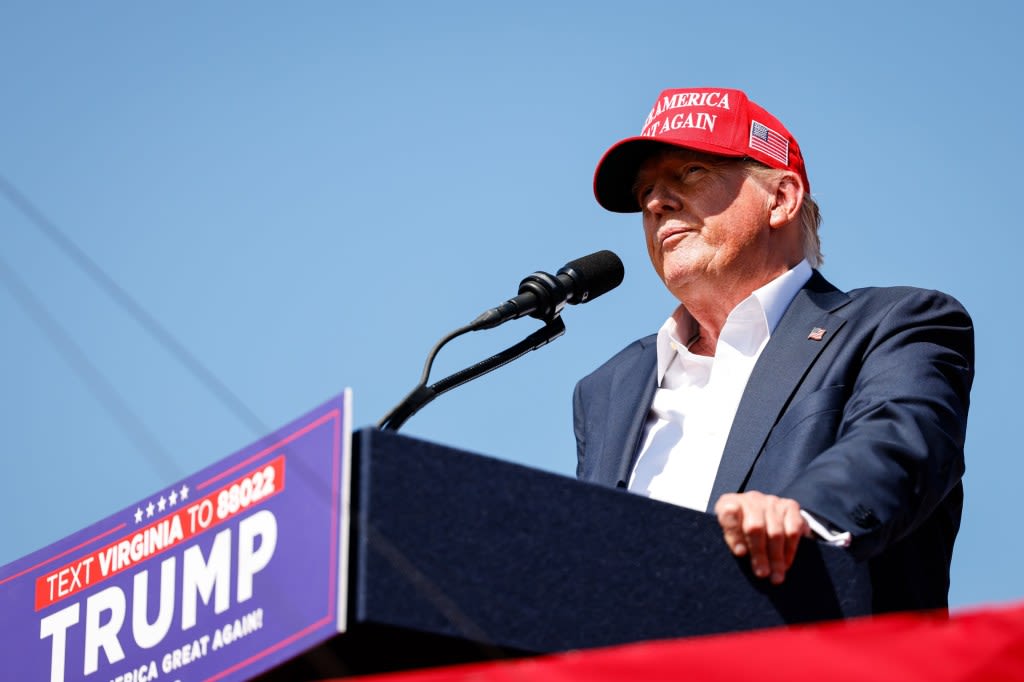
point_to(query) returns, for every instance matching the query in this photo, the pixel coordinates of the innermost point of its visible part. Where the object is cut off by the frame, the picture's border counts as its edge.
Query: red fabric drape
(984, 645)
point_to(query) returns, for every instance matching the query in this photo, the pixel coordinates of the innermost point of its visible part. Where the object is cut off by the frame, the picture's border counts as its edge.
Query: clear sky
(308, 195)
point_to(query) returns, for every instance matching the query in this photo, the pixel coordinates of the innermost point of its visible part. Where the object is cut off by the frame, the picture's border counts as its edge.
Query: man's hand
(766, 527)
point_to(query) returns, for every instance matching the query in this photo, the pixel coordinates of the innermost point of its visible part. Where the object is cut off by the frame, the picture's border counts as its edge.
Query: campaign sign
(220, 576)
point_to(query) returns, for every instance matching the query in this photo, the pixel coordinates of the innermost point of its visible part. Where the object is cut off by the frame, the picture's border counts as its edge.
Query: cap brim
(616, 171)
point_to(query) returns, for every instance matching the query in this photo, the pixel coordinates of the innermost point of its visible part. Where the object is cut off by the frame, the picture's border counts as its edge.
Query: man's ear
(788, 198)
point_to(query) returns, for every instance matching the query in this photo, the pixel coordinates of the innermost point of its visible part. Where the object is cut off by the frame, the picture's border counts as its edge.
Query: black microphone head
(593, 275)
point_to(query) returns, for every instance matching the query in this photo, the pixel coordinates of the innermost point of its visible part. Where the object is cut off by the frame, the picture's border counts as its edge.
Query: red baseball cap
(714, 120)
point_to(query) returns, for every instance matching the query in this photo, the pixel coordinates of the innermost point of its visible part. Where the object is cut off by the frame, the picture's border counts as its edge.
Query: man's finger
(796, 528)
(776, 540)
(754, 532)
(730, 518)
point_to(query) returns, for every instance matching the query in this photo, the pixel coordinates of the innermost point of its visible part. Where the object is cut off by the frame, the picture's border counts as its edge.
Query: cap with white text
(713, 120)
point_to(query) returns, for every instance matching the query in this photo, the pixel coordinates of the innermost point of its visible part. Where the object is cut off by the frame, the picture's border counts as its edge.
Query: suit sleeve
(900, 447)
(579, 427)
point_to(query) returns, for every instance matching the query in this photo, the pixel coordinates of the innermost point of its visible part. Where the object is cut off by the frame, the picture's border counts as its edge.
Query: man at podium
(786, 407)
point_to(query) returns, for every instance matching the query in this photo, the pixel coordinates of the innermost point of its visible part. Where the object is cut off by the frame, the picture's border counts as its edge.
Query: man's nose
(662, 199)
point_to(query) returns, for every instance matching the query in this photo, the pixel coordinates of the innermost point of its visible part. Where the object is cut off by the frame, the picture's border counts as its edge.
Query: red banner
(980, 646)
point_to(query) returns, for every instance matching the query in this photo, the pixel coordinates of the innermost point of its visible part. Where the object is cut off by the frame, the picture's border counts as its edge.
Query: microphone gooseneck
(540, 295)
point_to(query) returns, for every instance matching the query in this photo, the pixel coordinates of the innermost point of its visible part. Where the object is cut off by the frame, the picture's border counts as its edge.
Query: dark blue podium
(457, 557)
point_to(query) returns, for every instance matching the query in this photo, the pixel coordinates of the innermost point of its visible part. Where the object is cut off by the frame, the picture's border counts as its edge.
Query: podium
(457, 557)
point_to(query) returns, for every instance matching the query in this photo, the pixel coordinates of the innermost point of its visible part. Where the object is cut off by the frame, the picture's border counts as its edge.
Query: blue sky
(309, 195)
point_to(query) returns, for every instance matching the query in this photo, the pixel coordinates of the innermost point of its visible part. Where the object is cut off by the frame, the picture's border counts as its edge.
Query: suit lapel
(778, 372)
(631, 393)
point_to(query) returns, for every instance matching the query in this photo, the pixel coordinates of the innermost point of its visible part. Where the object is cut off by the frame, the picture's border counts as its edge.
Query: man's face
(705, 221)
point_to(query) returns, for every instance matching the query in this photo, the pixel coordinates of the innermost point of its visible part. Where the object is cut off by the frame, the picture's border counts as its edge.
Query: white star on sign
(161, 503)
(149, 510)
(138, 515)
(184, 492)
(173, 497)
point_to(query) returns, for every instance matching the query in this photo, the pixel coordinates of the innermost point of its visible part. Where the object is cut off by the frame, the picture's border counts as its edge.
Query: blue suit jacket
(864, 428)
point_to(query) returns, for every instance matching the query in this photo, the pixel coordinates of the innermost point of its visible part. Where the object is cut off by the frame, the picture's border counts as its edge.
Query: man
(784, 406)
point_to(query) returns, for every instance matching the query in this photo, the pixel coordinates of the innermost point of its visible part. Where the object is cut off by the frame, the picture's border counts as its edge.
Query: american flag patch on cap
(766, 140)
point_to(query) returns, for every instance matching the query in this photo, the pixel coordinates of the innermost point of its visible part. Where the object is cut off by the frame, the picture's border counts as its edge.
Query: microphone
(543, 296)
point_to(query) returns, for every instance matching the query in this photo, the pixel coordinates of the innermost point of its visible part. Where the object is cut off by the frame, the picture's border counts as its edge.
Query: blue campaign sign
(221, 576)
